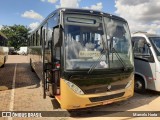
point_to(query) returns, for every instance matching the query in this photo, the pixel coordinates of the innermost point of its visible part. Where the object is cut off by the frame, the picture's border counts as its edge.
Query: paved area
(21, 90)
(27, 94)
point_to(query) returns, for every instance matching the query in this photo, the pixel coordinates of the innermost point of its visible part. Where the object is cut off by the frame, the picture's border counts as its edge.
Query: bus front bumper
(68, 99)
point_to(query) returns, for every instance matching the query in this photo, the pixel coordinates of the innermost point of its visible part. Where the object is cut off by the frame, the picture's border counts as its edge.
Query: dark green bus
(83, 57)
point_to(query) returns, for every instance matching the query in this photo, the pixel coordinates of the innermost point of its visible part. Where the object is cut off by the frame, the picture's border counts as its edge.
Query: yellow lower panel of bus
(71, 100)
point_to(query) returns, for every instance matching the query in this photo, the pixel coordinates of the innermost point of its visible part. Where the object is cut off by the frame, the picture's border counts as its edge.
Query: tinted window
(52, 22)
(140, 48)
(38, 37)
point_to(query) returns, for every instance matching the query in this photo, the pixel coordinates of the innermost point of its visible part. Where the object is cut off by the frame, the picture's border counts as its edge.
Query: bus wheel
(139, 85)
(31, 66)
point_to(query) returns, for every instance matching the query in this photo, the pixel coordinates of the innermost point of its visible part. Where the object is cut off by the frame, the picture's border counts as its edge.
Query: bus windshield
(156, 45)
(119, 43)
(85, 41)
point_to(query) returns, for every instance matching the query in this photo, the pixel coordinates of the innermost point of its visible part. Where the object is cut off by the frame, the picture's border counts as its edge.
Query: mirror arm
(148, 44)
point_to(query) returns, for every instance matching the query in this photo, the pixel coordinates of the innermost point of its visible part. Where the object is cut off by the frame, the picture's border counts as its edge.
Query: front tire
(139, 85)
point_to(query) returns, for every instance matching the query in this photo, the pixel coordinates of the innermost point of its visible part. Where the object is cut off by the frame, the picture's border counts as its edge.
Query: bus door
(46, 53)
(51, 66)
(56, 60)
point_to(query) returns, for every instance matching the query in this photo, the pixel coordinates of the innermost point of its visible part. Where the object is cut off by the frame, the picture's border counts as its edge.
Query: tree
(16, 34)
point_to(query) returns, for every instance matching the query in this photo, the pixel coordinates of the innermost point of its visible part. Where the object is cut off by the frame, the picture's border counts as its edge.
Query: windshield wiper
(120, 59)
(98, 60)
(100, 57)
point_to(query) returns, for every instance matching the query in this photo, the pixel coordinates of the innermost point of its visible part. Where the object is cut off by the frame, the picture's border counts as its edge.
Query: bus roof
(76, 10)
(146, 34)
(89, 11)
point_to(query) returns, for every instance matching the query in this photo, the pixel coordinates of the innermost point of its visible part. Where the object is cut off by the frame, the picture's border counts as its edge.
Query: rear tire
(139, 85)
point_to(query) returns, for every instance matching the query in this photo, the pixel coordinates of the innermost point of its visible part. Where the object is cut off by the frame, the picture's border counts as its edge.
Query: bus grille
(103, 89)
(96, 99)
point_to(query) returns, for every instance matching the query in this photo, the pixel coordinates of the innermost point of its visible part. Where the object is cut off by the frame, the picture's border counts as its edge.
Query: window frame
(142, 57)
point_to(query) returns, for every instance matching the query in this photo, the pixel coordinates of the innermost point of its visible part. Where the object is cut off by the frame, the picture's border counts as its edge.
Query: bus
(3, 49)
(146, 49)
(83, 57)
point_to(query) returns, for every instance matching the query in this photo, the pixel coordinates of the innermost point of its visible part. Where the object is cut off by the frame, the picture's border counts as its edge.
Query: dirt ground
(21, 90)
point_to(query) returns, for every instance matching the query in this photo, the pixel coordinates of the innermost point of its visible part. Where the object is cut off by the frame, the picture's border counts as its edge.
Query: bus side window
(41, 35)
(44, 35)
(37, 38)
(52, 22)
(34, 40)
(49, 44)
(141, 49)
(58, 53)
(29, 41)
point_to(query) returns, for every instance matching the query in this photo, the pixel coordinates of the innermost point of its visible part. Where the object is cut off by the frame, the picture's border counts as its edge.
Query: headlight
(74, 87)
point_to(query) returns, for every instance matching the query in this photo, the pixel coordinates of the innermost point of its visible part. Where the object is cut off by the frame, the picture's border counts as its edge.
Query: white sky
(142, 15)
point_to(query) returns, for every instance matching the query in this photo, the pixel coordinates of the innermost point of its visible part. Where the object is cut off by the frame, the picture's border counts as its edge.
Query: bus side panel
(148, 70)
(39, 63)
(157, 81)
(35, 54)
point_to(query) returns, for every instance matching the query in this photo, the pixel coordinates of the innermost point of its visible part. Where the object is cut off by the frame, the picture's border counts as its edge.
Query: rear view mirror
(151, 59)
(57, 36)
(148, 44)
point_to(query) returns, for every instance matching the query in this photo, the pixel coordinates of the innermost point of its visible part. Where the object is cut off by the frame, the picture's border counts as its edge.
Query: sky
(142, 15)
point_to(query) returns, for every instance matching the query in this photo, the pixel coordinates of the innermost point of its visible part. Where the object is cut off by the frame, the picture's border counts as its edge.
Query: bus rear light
(58, 91)
(57, 65)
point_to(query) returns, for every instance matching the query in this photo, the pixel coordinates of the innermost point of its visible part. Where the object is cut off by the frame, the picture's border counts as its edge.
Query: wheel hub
(138, 85)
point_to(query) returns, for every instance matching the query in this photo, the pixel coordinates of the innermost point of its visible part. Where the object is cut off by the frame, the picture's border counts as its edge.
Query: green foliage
(16, 34)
